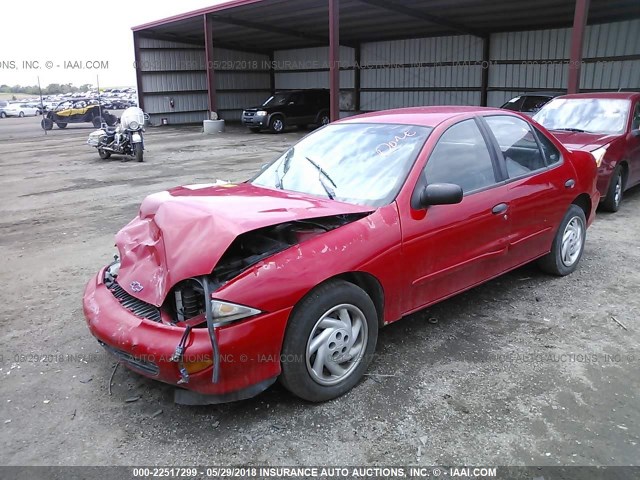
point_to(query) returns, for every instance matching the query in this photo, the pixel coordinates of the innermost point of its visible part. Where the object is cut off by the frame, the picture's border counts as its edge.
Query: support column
(577, 39)
(209, 61)
(334, 58)
(136, 57)
(486, 62)
(357, 78)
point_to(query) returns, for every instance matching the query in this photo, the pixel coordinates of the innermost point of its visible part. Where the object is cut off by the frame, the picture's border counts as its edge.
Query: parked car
(19, 110)
(221, 289)
(530, 103)
(3, 105)
(297, 107)
(77, 110)
(607, 125)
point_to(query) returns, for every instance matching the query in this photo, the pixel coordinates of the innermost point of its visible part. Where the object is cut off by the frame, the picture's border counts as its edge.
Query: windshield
(364, 164)
(276, 100)
(591, 115)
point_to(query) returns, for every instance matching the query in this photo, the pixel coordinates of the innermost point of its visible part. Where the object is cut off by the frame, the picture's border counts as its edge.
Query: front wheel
(611, 202)
(3, 115)
(329, 342)
(138, 152)
(277, 124)
(104, 155)
(46, 124)
(568, 244)
(325, 119)
(21, 114)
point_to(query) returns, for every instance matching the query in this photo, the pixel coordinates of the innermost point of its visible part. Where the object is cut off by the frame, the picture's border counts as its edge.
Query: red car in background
(222, 289)
(607, 125)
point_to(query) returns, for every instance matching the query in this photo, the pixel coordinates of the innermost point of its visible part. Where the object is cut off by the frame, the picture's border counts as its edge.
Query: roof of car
(423, 116)
(618, 95)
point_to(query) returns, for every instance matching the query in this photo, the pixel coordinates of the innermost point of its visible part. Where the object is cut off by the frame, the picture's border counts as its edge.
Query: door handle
(570, 183)
(500, 208)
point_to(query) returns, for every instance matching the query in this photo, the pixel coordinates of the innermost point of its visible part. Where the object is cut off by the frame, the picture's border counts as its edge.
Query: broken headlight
(224, 313)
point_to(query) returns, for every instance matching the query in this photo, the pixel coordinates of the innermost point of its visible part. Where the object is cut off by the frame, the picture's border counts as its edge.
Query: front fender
(371, 245)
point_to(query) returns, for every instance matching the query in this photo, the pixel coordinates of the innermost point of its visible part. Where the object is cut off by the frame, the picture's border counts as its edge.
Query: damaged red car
(223, 289)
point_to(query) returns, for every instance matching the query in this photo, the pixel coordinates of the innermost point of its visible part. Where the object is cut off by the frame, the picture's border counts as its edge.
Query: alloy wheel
(336, 345)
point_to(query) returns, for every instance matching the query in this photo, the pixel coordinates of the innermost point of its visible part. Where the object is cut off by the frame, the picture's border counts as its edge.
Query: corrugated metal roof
(267, 25)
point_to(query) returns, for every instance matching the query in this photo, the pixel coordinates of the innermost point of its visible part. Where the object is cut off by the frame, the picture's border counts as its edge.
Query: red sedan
(223, 289)
(607, 125)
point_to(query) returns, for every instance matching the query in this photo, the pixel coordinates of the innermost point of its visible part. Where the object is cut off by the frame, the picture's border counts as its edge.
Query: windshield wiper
(330, 192)
(285, 168)
(577, 130)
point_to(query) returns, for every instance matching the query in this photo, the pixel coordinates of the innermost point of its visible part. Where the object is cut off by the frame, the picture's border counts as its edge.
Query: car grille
(249, 114)
(143, 366)
(135, 305)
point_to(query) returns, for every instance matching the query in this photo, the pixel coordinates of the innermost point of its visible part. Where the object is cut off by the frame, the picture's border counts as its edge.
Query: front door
(449, 248)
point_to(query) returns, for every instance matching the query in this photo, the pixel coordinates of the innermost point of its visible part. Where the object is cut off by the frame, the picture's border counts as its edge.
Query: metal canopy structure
(265, 26)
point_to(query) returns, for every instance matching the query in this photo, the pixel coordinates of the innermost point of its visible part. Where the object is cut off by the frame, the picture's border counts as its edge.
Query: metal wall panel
(241, 81)
(173, 81)
(538, 60)
(423, 66)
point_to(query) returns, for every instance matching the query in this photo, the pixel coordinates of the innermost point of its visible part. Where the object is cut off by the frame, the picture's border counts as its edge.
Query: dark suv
(283, 109)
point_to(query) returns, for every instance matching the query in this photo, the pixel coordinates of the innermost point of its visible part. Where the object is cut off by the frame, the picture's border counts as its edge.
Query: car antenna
(41, 104)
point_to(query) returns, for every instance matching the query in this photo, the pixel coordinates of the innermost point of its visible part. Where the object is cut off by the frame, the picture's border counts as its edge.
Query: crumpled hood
(582, 140)
(183, 233)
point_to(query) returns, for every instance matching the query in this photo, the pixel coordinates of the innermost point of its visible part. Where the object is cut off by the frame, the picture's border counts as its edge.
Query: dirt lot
(525, 370)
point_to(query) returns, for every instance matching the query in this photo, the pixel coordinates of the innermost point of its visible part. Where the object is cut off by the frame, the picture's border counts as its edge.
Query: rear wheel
(21, 114)
(138, 152)
(611, 202)
(46, 124)
(61, 125)
(329, 342)
(104, 155)
(568, 244)
(277, 124)
(97, 122)
(3, 115)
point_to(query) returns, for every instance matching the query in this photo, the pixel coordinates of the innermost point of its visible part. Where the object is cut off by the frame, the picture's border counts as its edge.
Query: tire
(138, 152)
(324, 119)
(21, 114)
(277, 124)
(568, 244)
(97, 122)
(104, 155)
(305, 371)
(61, 125)
(3, 115)
(46, 124)
(254, 129)
(611, 202)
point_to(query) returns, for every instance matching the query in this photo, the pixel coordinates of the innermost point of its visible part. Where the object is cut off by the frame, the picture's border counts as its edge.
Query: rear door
(449, 248)
(633, 146)
(540, 186)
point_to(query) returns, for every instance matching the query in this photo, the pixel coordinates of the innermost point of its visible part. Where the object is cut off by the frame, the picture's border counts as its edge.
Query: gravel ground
(524, 370)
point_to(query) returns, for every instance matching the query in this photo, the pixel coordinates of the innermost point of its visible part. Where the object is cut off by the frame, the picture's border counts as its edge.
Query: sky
(60, 33)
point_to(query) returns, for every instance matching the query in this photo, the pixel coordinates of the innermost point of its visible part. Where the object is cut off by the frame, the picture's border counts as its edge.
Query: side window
(635, 122)
(517, 144)
(551, 153)
(514, 104)
(533, 103)
(461, 156)
(295, 99)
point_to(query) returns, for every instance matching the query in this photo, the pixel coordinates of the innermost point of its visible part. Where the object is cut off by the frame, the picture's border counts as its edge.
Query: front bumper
(254, 121)
(249, 350)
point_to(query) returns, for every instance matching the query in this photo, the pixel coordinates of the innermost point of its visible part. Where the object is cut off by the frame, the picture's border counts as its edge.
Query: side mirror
(441, 194)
